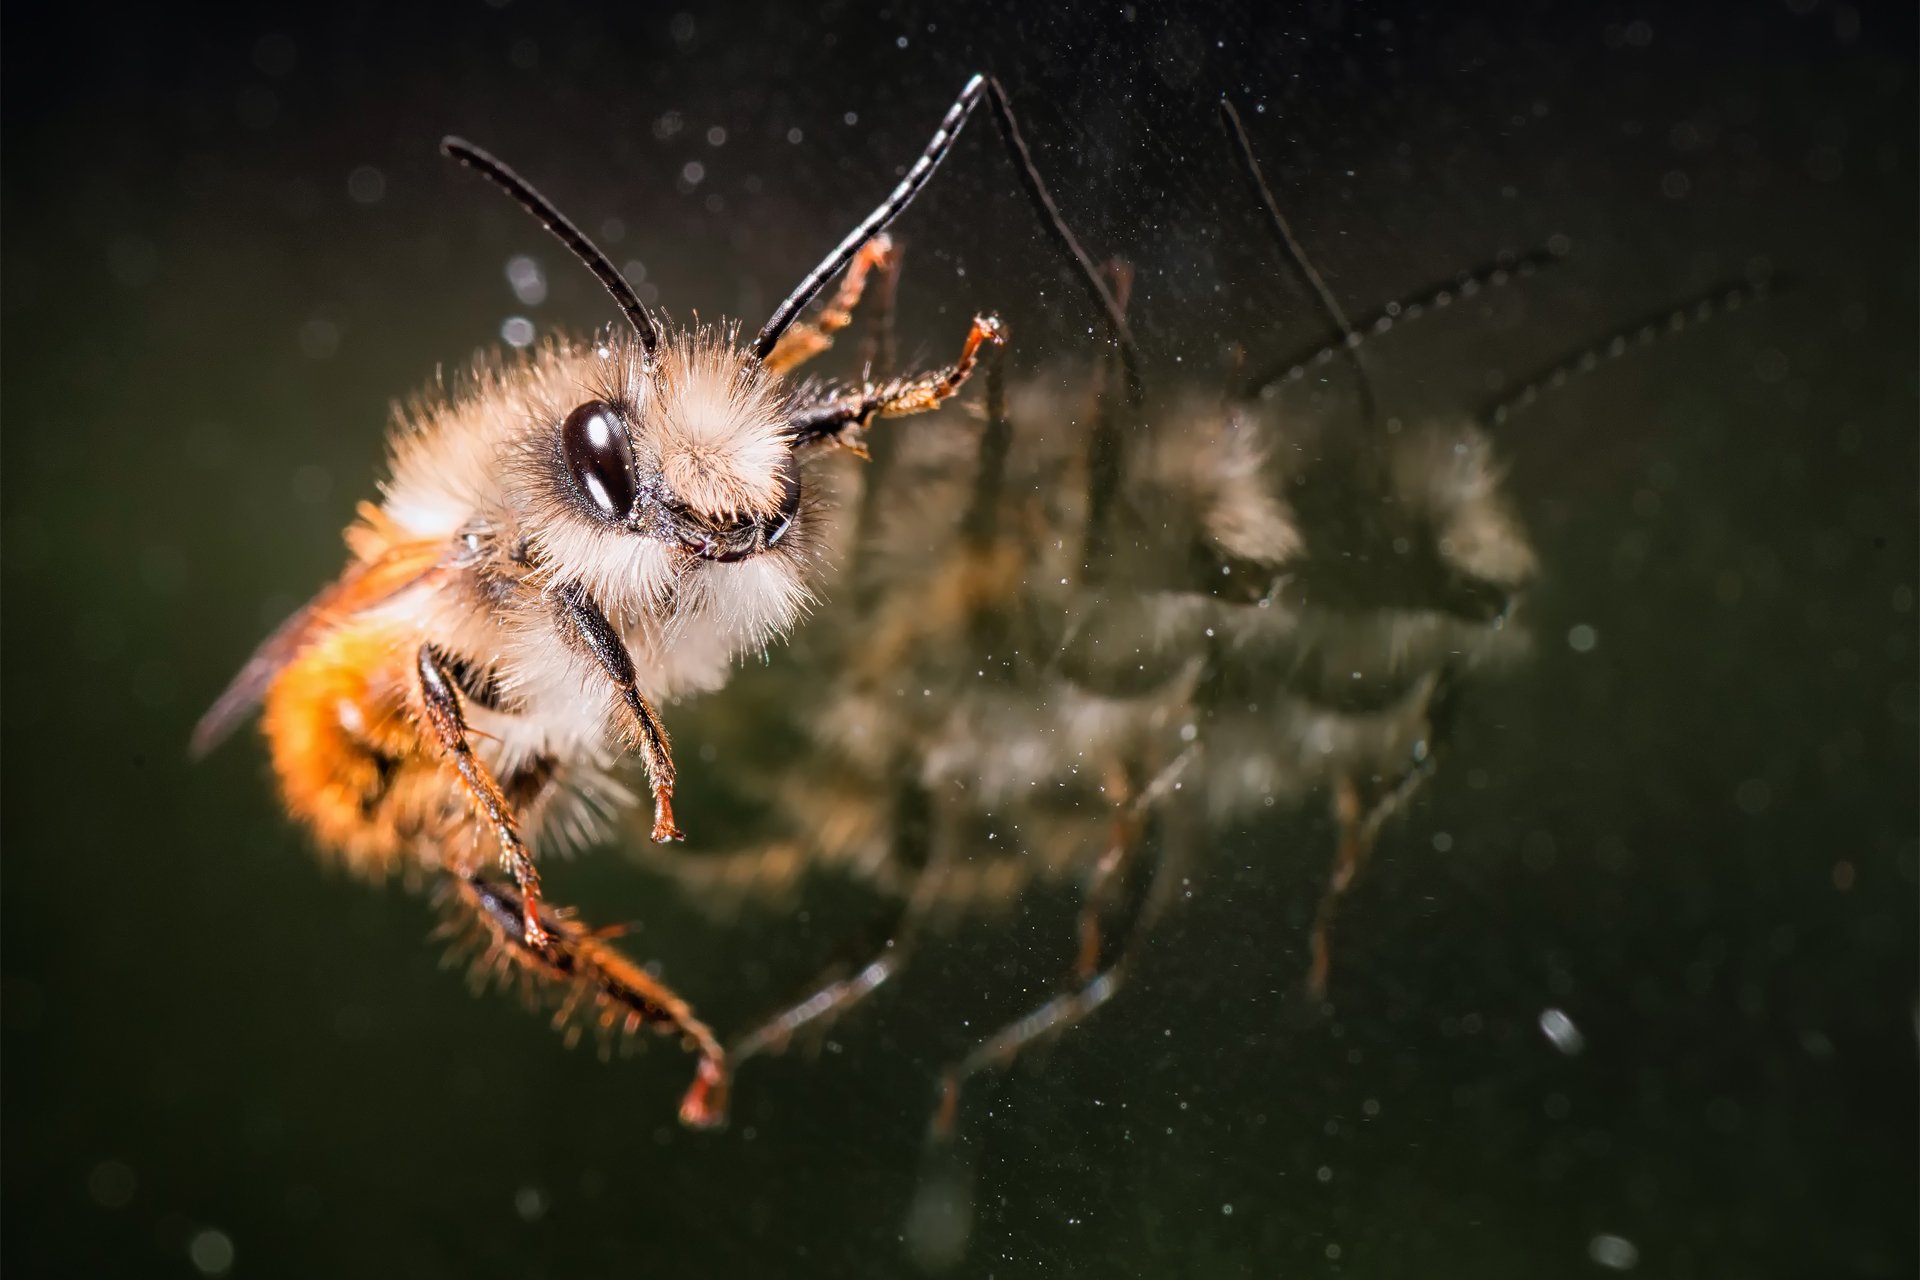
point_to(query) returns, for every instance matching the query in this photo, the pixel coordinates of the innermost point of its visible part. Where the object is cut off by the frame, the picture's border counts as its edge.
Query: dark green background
(271, 1051)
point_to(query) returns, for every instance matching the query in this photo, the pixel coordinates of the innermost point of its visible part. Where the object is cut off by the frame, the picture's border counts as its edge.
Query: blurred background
(1686, 822)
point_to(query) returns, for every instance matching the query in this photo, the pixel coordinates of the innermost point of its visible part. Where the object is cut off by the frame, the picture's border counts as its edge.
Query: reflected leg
(1095, 986)
(1359, 818)
(805, 340)
(830, 999)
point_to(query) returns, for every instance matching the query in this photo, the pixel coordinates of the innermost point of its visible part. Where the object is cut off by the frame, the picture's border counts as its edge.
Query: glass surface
(1616, 696)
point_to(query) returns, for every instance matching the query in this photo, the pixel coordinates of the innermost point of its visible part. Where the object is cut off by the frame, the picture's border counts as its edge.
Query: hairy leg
(841, 415)
(588, 979)
(805, 340)
(449, 727)
(597, 636)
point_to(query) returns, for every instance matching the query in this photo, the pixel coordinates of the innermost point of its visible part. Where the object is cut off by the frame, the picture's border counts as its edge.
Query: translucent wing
(368, 582)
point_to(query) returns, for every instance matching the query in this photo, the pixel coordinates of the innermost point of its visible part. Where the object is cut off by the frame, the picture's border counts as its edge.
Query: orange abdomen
(349, 752)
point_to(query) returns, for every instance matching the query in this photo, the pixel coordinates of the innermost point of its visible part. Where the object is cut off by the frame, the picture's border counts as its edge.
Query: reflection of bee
(564, 539)
(1083, 641)
(1078, 654)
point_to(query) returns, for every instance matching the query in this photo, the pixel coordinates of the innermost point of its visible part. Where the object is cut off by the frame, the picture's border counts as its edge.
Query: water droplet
(1561, 1031)
(1613, 1252)
(528, 280)
(111, 1184)
(211, 1252)
(366, 185)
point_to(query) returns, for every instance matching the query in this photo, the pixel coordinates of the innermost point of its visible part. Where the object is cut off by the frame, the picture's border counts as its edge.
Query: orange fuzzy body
(349, 754)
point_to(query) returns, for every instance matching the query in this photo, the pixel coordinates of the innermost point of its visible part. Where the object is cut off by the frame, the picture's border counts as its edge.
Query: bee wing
(364, 585)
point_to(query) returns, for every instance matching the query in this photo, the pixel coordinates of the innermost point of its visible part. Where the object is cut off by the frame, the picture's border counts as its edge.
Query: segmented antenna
(903, 194)
(1349, 338)
(1503, 270)
(563, 230)
(1678, 318)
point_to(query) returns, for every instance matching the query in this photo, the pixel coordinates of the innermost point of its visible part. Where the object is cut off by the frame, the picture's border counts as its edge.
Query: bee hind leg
(590, 981)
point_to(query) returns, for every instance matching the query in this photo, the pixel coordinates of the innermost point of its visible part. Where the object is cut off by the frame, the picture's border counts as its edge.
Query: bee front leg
(840, 416)
(443, 716)
(591, 628)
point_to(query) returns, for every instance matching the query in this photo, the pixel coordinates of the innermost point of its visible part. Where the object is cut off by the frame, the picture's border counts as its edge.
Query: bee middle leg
(449, 726)
(1357, 824)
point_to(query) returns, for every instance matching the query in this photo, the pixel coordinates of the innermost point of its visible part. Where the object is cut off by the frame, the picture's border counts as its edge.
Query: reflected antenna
(1678, 318)
(1349, 338)
(1505, 269)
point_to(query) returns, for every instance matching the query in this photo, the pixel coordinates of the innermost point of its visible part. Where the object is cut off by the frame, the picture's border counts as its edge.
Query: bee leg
(877, 351)
(1359, 819)
(1359, 822)
(1100, 891)
(829, 1000)
(443, 715)
(591, 628)
(839, 417)
(805, 340)
(823, 1004)
(1357, 828)
(1095, 986)
(592, 981)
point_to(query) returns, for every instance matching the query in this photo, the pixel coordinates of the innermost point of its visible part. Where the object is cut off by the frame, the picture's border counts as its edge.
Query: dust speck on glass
(1375, 734)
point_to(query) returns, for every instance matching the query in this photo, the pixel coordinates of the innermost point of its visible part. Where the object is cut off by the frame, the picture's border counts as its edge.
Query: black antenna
(1503, 270)
(1350, 339)
(1678, 318)
(909, 187)
(564, 231)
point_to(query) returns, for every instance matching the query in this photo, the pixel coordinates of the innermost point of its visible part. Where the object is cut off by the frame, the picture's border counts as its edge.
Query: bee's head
(690, 449)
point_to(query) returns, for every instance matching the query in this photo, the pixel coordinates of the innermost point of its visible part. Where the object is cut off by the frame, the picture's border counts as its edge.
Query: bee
(565, 539)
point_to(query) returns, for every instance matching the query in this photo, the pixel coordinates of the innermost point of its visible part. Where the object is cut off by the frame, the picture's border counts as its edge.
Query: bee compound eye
(599, 458)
